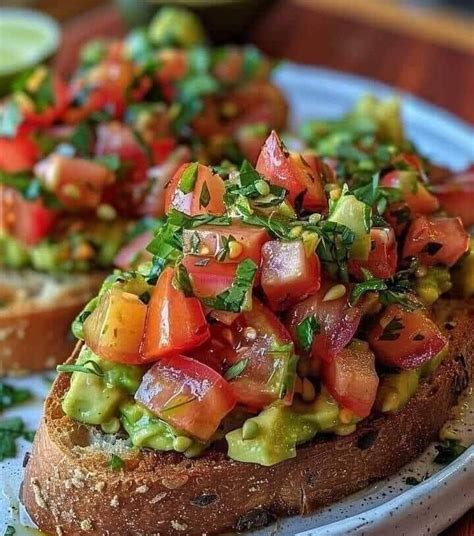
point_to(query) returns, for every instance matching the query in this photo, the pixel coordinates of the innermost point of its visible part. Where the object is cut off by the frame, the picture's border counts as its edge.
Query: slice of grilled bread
(36, 311)
(69, 487)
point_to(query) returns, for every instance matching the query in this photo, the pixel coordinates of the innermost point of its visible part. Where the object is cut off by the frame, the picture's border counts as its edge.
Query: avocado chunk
(94, 399)
(13, 254)
(173, 26)
(355, 215)
(272, 436)
(463, 274)
(145, 429)
(437, 281)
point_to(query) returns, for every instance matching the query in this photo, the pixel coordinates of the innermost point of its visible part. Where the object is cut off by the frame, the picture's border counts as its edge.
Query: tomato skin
(17, 154)
(134, 252)
(288, 273)
(190, 203)
(114, 330)
(399, 348)
(414, 193)
(290, 171)
(446, 236)
(76, 182)
(209, 277)
(159, 176)
(351, 378)
(28, 221)
(456, 195)
(383, 257)
(174, 323)
(187, 394)
(61, 97)
(338, 321)
(266, 372)
(212, 237)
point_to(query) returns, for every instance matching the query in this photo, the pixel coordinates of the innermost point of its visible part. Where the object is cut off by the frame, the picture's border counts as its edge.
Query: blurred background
(422, 46)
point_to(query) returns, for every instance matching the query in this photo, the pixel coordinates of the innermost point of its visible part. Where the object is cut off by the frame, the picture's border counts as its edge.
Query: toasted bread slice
(35, 317)
(70, 489)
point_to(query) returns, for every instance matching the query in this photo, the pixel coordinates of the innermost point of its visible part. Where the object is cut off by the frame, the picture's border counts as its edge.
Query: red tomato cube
(189, 395)
(288, 273)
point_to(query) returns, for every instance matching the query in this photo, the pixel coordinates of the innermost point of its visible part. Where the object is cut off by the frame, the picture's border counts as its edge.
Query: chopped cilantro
(10, 430)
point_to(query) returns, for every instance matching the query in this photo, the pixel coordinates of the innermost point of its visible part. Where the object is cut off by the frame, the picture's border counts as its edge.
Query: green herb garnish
(94, 368)
(11, 430)
(116, 462)
(234, 298)
(188, 178)
(448, 451)
(306, 330)
(236, 370)
(10, 396)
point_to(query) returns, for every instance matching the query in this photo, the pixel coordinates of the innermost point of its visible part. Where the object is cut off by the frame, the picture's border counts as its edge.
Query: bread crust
(69, 488)
(35, 333)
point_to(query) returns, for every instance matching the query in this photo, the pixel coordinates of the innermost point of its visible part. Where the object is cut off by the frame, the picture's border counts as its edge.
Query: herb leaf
(306, 330)
(11, 430)
(94, 368)
(188, 178)
(236, 370)
(9, 395)
(233, 299)
(116, 462)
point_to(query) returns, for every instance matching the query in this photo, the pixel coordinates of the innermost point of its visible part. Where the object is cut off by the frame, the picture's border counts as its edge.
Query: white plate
(390, 507)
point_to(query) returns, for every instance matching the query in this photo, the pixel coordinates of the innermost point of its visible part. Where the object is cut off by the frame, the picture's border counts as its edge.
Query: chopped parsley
(188, 178)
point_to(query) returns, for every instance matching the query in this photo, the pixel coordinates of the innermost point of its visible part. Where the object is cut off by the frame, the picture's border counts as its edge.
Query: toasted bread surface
(35, 320)
(70, 489)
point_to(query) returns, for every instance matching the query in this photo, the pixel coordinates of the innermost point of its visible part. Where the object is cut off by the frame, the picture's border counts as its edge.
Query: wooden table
(431, 56)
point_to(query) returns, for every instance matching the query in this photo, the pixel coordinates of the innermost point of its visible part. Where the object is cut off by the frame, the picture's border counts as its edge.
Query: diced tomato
(337, 319)
(161, 149)
(414, 193)
(134, 252)
(398, 216)
(290, 171)
(264, 349)
(76, 182)
(115, 138)
(319, 167)
(158, 179)
(248, 104)
(44, 118)
(174, 322)
(405, 339)
(351, 378)
(228, 243)
(17, 154)
(209, 277)
(434, 240)
(195, 189)
(456, 195)
(114, 330)
(225, 317)
(414, 161)
(219, 350)
(289, 274)
(28, 221)
(382, 261)
(172, 65)
(187, 394)
(250, 139)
